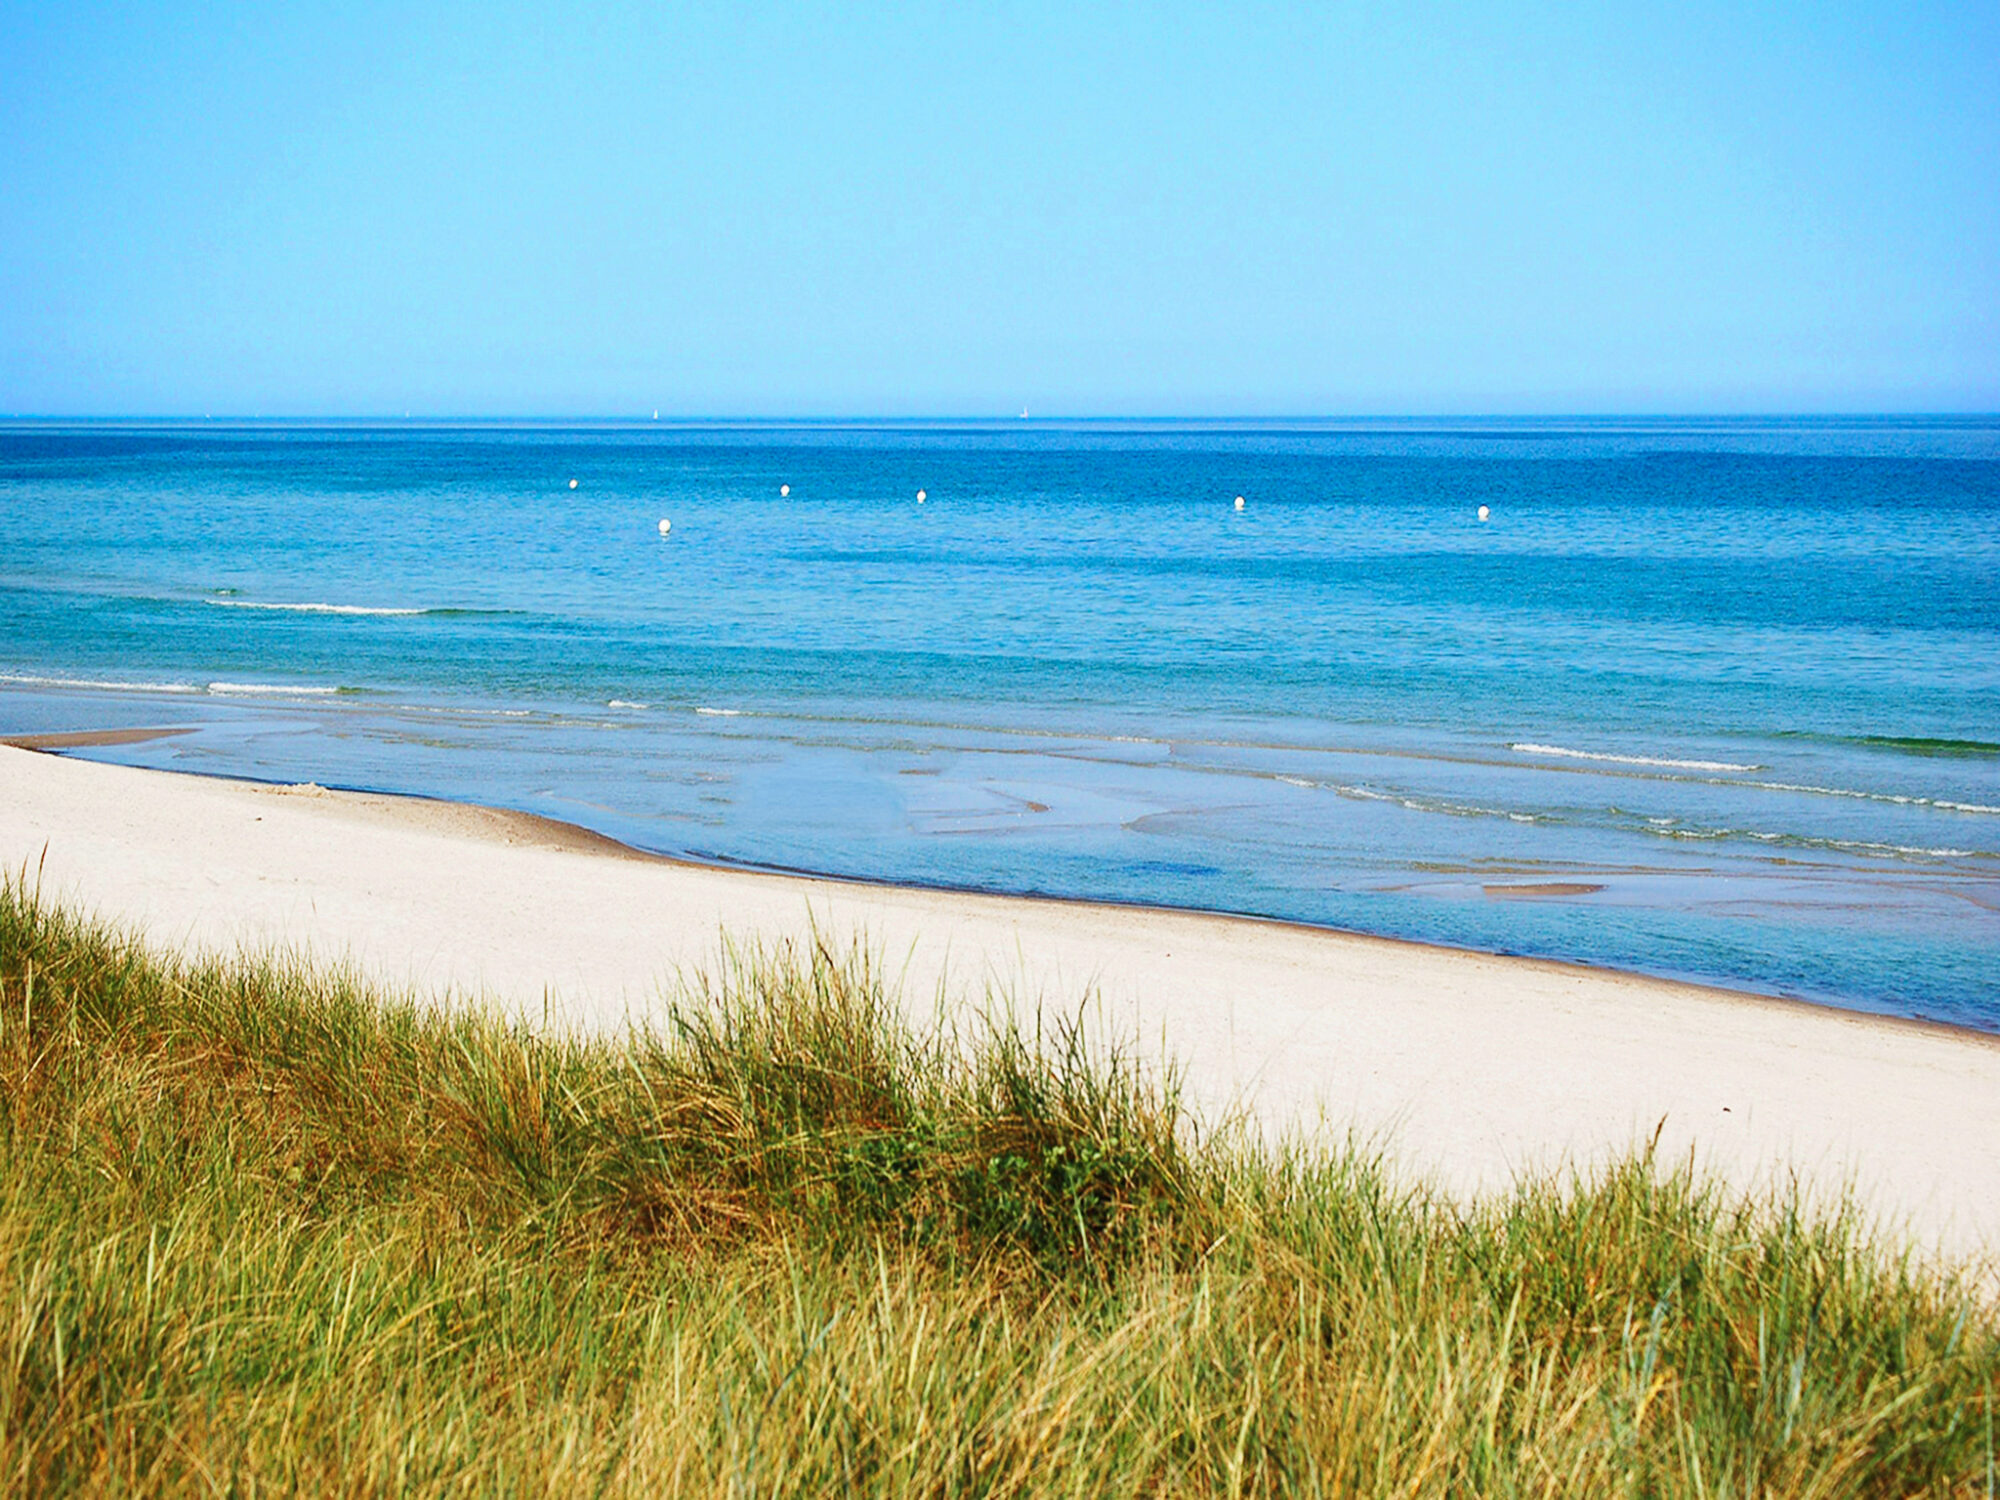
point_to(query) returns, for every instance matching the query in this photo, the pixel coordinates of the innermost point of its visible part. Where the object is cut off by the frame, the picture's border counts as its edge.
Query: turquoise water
(1731, 689)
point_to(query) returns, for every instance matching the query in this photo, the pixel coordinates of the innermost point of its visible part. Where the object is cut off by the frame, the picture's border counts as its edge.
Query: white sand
(1469, 1067)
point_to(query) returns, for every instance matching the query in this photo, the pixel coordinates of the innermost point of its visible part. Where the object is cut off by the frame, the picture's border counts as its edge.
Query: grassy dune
(262, 1231)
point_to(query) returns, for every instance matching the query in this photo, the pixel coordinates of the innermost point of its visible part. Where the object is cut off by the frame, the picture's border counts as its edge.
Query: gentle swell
(100, 684)
(311, 609)
(220, 689)
(1911, 744)
(1898, 798)
(1807, 841)
(1414, 804)
(1634, 760)
(355, 609)
(272, 689)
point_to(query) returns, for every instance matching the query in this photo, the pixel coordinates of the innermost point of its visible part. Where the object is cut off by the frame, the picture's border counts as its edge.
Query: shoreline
(1472, 1068)
(1714, 895)
(478, 819)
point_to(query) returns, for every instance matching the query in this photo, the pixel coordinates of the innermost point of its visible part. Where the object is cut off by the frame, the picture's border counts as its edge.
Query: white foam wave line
(1897, 798)
(1856, 846)
(24, 680)
(626, 703)
(271, 689)
(1415, 804)
(721, 713)
(310, 609)
(1633, 760)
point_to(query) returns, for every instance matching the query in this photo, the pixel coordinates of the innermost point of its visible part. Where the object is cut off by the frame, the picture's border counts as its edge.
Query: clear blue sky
(953, 209)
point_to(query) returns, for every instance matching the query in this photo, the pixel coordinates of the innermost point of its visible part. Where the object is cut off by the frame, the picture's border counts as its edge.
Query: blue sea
(1717, 699)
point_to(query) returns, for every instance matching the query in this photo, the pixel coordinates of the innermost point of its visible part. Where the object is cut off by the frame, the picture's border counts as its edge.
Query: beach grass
(263, 1230)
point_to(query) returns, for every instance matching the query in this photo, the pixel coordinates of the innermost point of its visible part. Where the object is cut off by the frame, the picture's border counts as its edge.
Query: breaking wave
(1634, 760)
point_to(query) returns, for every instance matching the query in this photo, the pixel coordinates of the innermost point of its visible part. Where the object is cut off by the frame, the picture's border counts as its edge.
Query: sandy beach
(1467, 1067)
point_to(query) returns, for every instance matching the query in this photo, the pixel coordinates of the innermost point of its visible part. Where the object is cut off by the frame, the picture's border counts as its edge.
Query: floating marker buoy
(1484, 512)
(572, 484)
(1239, 502)
(920, 497)
(665, 526)
(784, 489)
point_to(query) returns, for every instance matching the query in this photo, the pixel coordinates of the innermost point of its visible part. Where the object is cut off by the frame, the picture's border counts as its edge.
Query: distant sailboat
(1024, 414)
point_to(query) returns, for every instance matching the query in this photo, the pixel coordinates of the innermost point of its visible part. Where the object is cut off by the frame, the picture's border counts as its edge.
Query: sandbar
(1467, 1068)
(84, 739)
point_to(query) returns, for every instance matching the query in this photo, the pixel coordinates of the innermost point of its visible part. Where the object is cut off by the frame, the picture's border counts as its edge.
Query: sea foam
(100, 684)
(1634, 760)
(314, 609)
(271, 690)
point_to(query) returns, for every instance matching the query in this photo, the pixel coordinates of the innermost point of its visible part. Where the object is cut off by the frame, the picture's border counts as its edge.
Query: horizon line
(410, 419)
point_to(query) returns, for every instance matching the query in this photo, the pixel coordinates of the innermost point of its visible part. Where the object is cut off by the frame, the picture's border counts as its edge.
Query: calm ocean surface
(1716, 699)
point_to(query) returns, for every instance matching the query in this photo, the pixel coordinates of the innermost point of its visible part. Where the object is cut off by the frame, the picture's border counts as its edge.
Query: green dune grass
(262, 1231)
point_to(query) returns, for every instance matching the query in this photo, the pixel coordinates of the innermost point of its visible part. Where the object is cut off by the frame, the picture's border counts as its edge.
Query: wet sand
(84, 739)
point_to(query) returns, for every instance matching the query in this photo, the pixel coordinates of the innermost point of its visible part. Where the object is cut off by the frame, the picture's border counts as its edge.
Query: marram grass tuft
(262, 1231)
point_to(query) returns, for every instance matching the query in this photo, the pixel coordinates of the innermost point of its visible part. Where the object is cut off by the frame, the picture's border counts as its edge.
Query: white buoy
(1484, 513)
(784, 489)
(665, 526)
(572, 484)
(1239, 502)
(920, 497)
